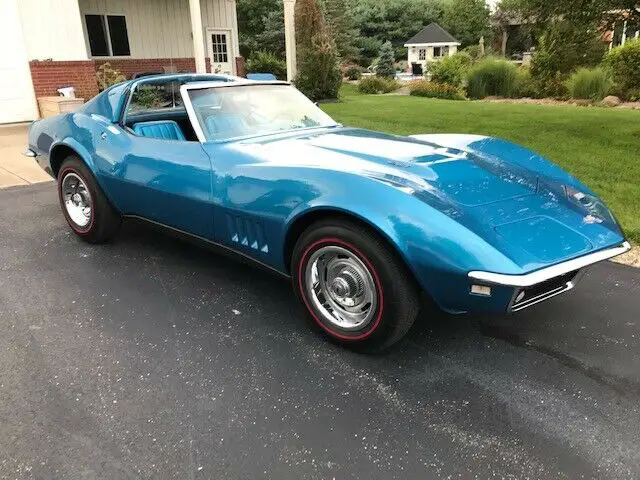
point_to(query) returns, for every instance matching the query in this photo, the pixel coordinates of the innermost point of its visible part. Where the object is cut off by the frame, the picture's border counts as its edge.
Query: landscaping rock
(611, 101)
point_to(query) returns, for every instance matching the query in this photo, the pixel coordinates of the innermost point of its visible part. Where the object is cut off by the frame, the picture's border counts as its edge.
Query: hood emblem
(591, 219)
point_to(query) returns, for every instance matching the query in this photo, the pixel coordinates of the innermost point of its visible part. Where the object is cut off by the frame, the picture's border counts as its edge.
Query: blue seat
(163, 129)
(261, 76)
(226, 125)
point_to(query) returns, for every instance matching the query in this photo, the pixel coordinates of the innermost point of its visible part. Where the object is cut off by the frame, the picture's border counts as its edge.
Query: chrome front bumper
(543, 284)
(548, 273)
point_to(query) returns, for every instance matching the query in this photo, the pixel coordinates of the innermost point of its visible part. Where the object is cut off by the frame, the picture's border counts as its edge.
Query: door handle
(103, 135)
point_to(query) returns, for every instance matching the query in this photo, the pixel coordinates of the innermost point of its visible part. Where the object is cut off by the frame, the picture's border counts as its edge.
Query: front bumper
(540, 285)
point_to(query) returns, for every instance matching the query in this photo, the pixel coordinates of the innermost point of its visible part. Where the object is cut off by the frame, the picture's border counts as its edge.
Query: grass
(599, 146)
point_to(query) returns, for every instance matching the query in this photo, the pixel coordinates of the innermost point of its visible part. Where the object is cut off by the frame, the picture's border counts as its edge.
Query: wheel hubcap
(76, 199)
(341, 288)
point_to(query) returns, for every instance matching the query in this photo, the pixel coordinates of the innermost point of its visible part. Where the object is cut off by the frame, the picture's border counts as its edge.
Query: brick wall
(48, 76)
(129, 66)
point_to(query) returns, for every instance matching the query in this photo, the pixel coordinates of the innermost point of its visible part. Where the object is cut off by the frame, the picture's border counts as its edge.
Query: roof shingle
(432, 33)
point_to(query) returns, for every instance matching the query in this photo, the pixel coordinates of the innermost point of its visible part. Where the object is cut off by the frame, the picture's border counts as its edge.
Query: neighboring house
(431, 44)
(56, 43)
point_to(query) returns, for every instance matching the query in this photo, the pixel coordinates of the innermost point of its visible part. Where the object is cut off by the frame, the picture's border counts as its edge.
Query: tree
(582, 12)
(319, 74)
(261, 26)
(467, 20)
(386, 61)
(342, 29)
(505, 14)
(393, 20)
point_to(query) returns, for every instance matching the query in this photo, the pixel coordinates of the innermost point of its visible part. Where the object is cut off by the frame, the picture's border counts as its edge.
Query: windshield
(240, 111)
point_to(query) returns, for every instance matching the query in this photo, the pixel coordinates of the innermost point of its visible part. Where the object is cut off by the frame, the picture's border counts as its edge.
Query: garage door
(17, 103)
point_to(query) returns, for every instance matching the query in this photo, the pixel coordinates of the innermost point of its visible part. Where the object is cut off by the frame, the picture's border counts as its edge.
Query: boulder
(611, 101)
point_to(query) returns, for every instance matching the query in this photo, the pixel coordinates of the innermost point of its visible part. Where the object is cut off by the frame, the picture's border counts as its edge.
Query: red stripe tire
(353, 285)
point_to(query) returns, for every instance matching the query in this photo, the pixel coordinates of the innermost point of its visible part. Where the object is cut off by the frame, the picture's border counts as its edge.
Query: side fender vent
(246, 233)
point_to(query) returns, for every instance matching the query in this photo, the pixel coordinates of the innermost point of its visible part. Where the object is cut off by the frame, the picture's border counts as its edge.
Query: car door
(157, 175)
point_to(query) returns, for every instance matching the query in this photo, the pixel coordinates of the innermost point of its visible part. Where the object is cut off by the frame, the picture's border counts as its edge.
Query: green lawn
(599, 146)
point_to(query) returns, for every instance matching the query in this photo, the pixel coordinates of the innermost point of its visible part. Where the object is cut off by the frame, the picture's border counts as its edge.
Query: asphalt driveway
(150, 358)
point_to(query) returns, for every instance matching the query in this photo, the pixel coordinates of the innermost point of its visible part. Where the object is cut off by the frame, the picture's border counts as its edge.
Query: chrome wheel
(341, 288)
(76, 199)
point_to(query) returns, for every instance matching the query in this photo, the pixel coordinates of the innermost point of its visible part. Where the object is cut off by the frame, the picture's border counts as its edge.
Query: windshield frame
(195, 121)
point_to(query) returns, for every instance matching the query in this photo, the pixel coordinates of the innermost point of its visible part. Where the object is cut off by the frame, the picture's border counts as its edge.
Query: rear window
(155, 97)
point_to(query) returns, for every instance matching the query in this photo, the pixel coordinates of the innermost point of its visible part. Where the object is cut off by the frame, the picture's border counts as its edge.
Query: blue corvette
(362, 222)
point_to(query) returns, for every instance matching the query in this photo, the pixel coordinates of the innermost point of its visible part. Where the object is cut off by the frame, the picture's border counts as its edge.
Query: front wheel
(84, 205)
(353, 285)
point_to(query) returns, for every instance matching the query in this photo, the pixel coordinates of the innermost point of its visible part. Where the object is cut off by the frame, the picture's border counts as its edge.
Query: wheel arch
(60, 151)
(304, 220)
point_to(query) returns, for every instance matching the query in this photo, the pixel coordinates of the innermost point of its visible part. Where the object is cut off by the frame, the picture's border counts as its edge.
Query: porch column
(198, 36)
(290, 38)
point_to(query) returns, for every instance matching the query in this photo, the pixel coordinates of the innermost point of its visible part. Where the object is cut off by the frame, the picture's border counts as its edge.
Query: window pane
(239, 111)
(118, 35)
(155, 97)
(97, 36)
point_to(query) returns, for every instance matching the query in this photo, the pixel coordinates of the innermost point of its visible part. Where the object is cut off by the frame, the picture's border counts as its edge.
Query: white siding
(414, 53)
(17, 101)
(162, 28)
(52, 30)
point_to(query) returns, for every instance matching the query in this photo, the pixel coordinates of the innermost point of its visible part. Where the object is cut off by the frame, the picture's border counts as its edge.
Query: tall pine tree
(386, 61)
(341, 25)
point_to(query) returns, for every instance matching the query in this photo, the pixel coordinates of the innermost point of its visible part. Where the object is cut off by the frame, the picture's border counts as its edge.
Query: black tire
(397, 296)
(104, 221)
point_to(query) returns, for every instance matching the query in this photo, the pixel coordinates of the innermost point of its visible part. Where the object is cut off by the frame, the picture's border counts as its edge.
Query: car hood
(502, 192)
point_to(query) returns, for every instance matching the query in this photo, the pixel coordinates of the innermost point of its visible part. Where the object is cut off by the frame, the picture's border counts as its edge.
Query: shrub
(108, 76)
(422, 88)
(492, 76)
(375, 84)
(624, 64)
(386, 60)
(473, 51)
(524, 85)
(354, 72)
(452, 70)
(267, 62)
(589, 84)
(319, 75)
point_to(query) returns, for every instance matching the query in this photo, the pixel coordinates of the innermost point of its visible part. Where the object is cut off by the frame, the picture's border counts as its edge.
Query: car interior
(156, 111)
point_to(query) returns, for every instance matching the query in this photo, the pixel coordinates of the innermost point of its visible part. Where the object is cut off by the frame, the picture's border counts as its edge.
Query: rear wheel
(353, 285)
(84, 205)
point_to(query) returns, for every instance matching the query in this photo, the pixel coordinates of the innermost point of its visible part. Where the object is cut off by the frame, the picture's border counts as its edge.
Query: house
(57, 43)
(430, 44)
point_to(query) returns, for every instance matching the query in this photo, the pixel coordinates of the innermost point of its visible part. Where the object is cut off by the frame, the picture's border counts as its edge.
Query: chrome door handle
(103, 135)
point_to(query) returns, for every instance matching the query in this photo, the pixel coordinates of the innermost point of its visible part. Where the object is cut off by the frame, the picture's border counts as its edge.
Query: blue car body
(450, 205)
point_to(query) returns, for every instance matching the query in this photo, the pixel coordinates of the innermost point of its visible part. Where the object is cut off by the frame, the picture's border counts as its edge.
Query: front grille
(543, 291)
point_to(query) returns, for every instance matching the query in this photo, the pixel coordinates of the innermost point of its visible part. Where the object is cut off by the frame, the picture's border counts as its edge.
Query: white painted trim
(191, 112)
(290, 38)
(199, 52)
(230, 50)
(85, 31)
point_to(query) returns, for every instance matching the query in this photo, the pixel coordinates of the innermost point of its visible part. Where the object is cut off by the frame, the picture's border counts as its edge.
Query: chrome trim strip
(548, 273)
(543, 297)
(210, 242)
